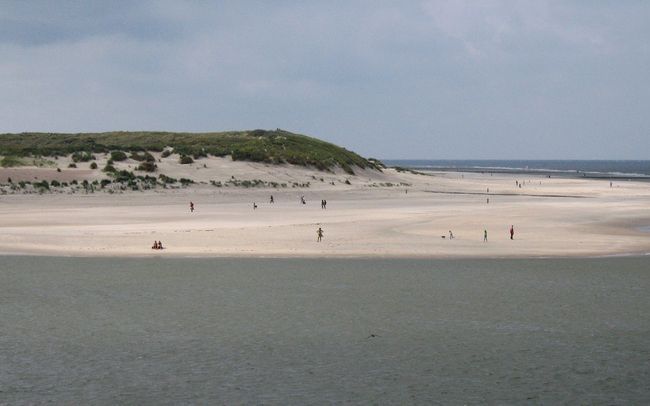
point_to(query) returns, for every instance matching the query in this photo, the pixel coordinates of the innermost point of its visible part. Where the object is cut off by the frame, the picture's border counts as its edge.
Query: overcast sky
(388, 79)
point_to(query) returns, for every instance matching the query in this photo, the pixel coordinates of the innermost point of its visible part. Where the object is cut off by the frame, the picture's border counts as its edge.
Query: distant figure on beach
(191, 207)
(302, 200)
(610, 184)
(155, 245)
(406, 191)
(488, 200)
(254, 205)
(323, 204)
(512, 232)
(271, 200)
(484, 235)
(488, 190)
(451, 235)
(319, 233)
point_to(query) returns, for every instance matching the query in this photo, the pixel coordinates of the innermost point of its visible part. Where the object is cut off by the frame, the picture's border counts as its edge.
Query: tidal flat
(313, 331)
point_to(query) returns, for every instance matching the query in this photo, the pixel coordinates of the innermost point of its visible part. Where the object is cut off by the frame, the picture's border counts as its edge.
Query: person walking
(512, 232)
(451, 235)
(484, 235)
(191, 207)
(319, 233)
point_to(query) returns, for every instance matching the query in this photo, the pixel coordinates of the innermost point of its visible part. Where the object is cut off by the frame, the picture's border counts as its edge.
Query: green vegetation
(184, 160)
(142, 157)
(82, 156)
(276, 146)
(118, 156)
(147, 166)
(11, 161)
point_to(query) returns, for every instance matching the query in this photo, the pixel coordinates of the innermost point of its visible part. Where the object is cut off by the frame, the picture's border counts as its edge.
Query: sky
(460, 79)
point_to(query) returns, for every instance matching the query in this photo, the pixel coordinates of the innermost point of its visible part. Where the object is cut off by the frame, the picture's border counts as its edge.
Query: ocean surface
(312, 331)
(638, 170)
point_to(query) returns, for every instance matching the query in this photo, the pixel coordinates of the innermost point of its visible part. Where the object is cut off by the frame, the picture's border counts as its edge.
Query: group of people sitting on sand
(157, 245)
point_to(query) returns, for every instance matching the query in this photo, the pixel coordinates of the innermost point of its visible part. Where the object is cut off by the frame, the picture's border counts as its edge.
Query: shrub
(9, 161)
(142, 157)
(166, 153)
(166, 179)
(55, 183)
(93, 165)
(184, 160)
(72, 165)
(185, 181)
(124, 176)
(147, 167)
(109, 168)
(200, 154)
(118, 156)
(105, 182)
(42, 185)
(82, 156)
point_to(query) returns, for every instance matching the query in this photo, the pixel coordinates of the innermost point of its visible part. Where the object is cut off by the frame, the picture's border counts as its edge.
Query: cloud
(430, 79)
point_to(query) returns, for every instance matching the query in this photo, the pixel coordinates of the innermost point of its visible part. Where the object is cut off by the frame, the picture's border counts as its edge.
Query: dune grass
(276, 146)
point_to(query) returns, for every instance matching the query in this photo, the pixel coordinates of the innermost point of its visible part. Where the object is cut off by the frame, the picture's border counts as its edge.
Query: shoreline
(323, 257)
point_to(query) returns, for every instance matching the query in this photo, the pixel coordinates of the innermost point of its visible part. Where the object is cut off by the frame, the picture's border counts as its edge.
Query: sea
(162, 331)
(600, 169)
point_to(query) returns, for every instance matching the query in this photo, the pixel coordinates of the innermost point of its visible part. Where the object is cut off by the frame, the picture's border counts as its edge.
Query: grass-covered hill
(276, 146)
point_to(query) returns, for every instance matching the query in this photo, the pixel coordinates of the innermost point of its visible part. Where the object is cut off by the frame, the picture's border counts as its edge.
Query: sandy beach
(389, 214)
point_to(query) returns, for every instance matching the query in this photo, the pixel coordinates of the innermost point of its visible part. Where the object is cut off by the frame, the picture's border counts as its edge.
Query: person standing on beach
(191, 207)
(271, 201)
(512, 232)
(319, 234)
(451, 235)
(484, 235)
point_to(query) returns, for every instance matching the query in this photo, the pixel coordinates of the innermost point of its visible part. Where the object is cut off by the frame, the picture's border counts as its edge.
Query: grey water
(313, 331)
(603, 169)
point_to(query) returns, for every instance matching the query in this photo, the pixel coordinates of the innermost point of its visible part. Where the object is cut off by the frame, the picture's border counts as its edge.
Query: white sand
(361, 219)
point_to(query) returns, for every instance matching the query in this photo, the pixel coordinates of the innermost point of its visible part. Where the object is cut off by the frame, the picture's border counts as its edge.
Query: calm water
(271, 331)
(639, 170)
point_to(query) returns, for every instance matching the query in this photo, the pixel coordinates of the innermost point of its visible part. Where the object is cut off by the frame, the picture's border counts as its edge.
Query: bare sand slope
(551, 217)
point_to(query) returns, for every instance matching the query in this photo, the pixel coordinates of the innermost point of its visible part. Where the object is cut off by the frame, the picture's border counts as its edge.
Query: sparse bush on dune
(276, 146)
(166, 179)
(93, 165)
(82, 156)
(142, 157)
(10, 161)
(147, 167)
(118, 156)
(184, 160)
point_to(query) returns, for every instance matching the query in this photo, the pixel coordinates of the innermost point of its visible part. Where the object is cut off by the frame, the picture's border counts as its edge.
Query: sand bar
(409, 218)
